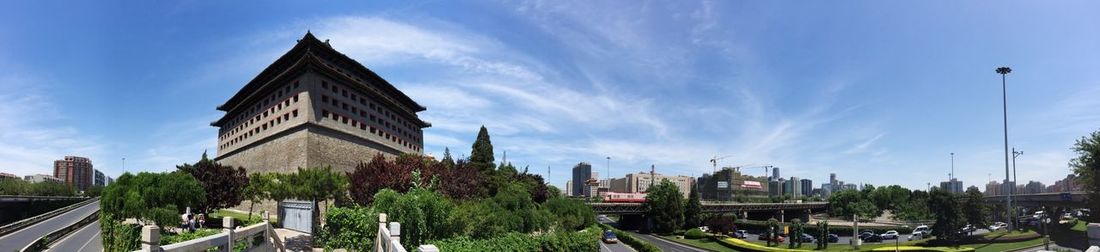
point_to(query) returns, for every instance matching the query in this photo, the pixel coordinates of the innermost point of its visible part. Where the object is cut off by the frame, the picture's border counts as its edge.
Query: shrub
(350, 228)
(118, 236)
(694, 233)
(586, 240)
(635, 243)
(571, 214)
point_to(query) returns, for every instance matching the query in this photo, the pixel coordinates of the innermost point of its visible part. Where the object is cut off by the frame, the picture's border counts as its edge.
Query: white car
(890, 235)
(997, 226)
(921, 232)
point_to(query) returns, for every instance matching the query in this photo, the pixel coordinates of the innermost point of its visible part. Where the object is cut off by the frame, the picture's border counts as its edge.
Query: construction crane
(714, 162)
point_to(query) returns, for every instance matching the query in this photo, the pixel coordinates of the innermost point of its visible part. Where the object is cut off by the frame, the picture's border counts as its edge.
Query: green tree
(481, 155)
(949, 217)
(773, 231)
(665, 206)
(156, 197)
(975, 209)
(448, 161)
(571, 214)
(223, 184)
(257, 190)
(890, 197)
(693, 212)
(847, 203)
(916, 209)
(1087, 167)
(795, 237)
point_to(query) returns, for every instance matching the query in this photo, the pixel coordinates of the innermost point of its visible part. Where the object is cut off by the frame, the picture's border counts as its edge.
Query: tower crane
(714, 162)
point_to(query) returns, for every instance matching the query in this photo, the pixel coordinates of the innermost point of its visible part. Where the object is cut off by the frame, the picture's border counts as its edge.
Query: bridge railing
(15, 226)
(260, 236)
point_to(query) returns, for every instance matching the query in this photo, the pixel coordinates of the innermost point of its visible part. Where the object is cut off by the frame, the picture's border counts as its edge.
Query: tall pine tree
(448, 161)
(481, 156)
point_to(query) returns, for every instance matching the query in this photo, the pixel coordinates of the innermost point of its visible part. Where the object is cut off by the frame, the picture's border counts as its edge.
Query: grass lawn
(1081, 226)
(1006, 246)
(699, 243)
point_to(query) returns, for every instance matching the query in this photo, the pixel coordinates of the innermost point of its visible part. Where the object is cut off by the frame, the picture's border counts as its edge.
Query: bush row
(760, 226)
(637, 244)
(585, 240)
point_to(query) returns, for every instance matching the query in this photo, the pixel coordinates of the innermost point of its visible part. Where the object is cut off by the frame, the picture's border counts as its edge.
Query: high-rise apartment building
(952, 186)
(796, 187)
(641, 181)
(75, 171)
(807, 187)
(315, 107)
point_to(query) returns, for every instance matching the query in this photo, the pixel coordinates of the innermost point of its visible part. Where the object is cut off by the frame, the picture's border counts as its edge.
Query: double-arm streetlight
(1004, 98)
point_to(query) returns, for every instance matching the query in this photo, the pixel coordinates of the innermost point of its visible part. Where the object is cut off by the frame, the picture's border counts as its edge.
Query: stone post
(267, 230)
(395, 232)
(150, 238)
(427, 248)
(227, 224)
(1094, 234)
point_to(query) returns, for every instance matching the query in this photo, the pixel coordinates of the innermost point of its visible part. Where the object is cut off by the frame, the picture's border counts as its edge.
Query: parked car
(764, 237)
(968, 228)
(834, 238)
(865, 234)
(740, 234)
(890, 235)
(807, 237)
(871, 238)
(609, 237)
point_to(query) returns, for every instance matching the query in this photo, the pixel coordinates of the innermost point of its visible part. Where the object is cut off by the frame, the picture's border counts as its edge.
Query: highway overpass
(1057, 199)
(714, 207)
(18, 239)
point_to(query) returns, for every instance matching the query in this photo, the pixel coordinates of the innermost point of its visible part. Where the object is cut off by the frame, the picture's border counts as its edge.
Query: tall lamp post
(1004, 99)
(608, 173)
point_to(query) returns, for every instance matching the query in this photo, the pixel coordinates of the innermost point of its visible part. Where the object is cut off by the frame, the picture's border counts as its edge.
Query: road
(19, 239)
(664, 244)
(86, 239)
(843, 240)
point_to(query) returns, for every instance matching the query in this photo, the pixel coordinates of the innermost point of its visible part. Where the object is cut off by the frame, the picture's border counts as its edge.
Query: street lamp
(1004, 99)
(609, 173)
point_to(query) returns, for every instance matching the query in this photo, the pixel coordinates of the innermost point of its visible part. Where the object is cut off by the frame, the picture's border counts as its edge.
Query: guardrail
(15, 226)
(43, 242)
(257, 235)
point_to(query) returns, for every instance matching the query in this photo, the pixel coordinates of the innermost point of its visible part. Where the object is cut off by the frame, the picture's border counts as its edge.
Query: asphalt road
(615, 247)
(19, 239)
(664, 244)
(85, 239)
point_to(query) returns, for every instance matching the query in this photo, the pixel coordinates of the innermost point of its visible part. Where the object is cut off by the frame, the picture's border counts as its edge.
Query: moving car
(764, 237)
(890, 235)
(741, 234)
(923, 230)
(968, 228)
(870, 237)
(997, 226)
(807, 237)
(609, 237)
(834, 238)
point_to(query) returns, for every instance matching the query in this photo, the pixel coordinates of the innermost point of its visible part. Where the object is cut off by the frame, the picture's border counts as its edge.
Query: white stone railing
(389, 238)
(150, 238)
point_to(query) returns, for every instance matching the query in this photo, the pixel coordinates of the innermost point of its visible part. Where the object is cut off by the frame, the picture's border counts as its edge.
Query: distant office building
(100, 179)
(993, 188)
(1034, 187)
(39, 178)
(952, 186)
(807, 187)
(1068, 184)
(5, 175)
(569, 188)
(110, 180)
(641, 181)
(581, 173)
(75, 171)
(1008, 187)
(788, 187)
(796, 187)
(826, 190)
(775, 173)
(833, 186)
(315, 107)
(848, 186)
(775, 188)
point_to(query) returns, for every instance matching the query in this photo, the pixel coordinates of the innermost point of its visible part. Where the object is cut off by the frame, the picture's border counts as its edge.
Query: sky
(878, 92)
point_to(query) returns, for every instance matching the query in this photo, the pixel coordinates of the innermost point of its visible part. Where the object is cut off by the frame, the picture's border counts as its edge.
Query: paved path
(615, 247)
(664, 244)
(19, 239)
(87, 238)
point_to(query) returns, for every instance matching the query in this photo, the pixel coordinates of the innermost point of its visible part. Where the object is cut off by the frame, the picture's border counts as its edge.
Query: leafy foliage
(158, 197)
(535, 185)
(847, 203)
(693, 213)
(370, 178)
(462, 182)
(974, 208)
(694, 233)
(665, 206)
(571, 214)
(117, 237)
(423, 214)
(948, 214)
(222, 184)
(351, 228)
(1087, 167)
(722, 223)
(22, 187)
(587, 240)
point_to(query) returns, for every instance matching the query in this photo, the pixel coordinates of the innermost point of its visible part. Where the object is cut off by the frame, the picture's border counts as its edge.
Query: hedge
(584, 240)
(635, 243)
(694, 233)
(760, 226)
(741, 245)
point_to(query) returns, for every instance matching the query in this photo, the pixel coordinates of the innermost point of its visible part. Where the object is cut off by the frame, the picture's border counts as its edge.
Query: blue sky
(875, 91)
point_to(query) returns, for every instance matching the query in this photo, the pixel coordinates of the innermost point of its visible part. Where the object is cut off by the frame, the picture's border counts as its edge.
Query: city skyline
(672, 85)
